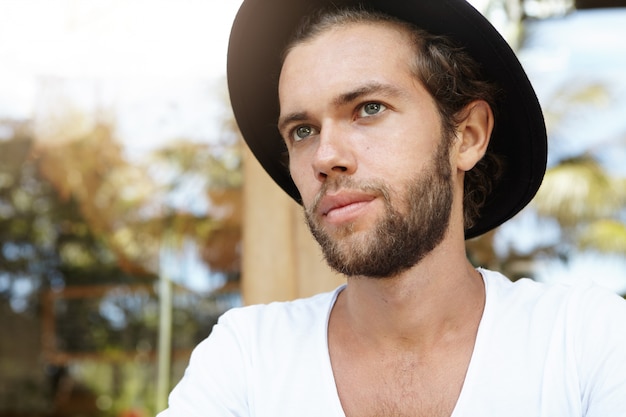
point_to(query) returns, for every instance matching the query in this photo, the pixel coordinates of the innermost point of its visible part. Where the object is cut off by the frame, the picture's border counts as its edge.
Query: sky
(158, 65)
(77, 38)
(583, 51)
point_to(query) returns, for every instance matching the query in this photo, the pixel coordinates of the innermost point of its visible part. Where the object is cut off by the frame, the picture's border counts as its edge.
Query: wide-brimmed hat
(263, 27)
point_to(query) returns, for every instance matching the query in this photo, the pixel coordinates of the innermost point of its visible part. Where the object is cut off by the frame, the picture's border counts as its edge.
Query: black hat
(263, 27)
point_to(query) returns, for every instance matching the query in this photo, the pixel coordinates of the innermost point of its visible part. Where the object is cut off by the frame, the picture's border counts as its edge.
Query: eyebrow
(291, 118)
(374, 87)
(351, 96)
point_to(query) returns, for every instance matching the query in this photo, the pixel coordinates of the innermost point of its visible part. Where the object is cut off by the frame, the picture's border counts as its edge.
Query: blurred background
(123, 181)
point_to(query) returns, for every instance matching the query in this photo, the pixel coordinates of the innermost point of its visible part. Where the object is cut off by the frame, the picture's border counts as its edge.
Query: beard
(406, 233)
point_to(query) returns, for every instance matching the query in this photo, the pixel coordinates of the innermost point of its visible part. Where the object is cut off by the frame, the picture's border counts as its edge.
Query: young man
(394, 134)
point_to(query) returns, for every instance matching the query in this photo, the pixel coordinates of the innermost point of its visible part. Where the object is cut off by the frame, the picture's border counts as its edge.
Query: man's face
(366, 150)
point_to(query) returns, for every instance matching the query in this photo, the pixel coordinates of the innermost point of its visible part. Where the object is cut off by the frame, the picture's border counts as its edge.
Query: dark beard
(403, 237)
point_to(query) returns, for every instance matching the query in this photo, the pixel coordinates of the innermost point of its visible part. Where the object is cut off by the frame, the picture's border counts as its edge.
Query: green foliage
(80, 234)
(578, 190)
(605, 235)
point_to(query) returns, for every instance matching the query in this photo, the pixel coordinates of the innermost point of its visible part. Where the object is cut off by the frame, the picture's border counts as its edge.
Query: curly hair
(450, 75)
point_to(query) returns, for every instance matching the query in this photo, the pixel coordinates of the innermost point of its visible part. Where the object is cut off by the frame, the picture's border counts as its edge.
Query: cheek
(302, 177)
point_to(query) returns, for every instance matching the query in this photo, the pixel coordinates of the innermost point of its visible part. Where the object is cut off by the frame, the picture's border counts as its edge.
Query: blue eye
(302, 132)
(370, 109)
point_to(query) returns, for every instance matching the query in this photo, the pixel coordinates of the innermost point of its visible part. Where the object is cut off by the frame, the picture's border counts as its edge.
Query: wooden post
(281, 260)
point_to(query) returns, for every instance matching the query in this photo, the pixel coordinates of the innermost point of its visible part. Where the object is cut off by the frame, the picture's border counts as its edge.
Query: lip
(343, 206)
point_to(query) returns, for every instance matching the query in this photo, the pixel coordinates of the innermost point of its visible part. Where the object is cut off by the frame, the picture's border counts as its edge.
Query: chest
(388, 384)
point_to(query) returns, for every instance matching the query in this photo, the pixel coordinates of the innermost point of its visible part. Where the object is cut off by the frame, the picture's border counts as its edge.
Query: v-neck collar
(469, 376)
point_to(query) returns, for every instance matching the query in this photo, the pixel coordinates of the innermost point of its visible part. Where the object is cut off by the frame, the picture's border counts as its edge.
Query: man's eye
(302, 132)
(370, 109)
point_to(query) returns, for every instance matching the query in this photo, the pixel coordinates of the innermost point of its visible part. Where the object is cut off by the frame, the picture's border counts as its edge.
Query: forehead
(355, 35)
(350, 51)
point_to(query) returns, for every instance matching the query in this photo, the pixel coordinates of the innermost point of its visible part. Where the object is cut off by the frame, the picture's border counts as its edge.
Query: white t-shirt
(541, 351)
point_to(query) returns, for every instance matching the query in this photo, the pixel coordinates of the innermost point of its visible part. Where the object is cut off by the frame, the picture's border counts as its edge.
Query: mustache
(373, 186)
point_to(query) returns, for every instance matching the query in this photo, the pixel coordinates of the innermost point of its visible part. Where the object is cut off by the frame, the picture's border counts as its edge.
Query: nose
(334, 155)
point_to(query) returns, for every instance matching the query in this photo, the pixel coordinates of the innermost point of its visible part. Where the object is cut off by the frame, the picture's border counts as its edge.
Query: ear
(474, 133)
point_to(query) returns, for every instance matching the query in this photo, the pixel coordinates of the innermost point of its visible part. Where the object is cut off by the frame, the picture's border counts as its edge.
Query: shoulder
(278, 339)
(576, 314)
(574, 317)
(587, 299)
(561, 348)
(282, 315)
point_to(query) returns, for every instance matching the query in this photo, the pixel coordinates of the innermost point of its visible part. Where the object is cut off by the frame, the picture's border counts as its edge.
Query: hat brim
(263, 27)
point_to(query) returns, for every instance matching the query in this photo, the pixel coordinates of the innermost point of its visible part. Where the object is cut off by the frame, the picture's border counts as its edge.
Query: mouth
(343, 206)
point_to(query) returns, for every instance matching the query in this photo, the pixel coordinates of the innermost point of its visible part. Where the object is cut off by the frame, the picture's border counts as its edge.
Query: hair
(450, 75)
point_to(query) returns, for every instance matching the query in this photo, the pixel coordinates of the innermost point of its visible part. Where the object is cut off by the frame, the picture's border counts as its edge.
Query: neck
(439, 299)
